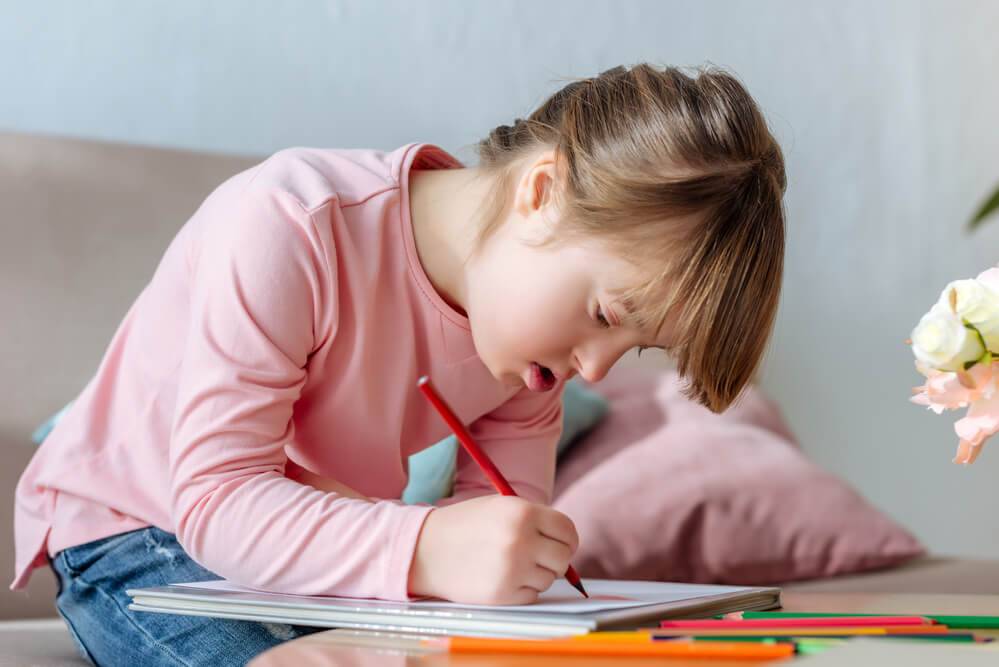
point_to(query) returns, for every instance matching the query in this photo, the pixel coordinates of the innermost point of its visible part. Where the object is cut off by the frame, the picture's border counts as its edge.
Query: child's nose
(593, 367)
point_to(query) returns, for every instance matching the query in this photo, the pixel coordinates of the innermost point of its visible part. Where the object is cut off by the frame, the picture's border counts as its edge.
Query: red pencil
(829, 621)
(488, 467)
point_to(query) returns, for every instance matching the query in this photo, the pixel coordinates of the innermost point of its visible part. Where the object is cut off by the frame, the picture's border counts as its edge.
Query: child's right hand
(492, 550)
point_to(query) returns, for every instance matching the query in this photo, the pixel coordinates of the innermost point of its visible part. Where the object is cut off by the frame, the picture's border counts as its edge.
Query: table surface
(322, 648)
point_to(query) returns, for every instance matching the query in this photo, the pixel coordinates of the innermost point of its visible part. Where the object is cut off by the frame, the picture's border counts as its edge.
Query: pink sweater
(281, 337)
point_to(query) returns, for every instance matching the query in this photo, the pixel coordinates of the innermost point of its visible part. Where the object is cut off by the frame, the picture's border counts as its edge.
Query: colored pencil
(806, 646)
(726, 650)
(814, 632)
(640, 637)
(967, 622)
(832, 621)
(485, 463)
(960, 637)
(779, 634)
(813, 646)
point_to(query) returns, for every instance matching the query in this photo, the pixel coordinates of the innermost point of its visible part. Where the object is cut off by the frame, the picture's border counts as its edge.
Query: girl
(252, 416)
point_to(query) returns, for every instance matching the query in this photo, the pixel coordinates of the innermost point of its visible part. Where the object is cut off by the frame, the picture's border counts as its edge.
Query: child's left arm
(520, 437)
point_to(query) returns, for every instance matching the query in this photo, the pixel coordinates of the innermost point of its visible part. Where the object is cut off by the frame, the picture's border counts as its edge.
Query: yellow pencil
(615, 636)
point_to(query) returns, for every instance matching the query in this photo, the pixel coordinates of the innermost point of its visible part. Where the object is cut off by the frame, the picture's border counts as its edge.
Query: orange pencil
(705, 649)
(488, 467)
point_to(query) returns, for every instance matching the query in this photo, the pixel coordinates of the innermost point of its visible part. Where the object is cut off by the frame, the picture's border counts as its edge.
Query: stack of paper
(560, 611)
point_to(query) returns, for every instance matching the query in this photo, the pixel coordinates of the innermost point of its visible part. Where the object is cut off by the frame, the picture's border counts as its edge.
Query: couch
(84, 223)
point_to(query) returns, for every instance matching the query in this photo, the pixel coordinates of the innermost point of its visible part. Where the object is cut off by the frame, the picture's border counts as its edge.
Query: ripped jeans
(93, 578)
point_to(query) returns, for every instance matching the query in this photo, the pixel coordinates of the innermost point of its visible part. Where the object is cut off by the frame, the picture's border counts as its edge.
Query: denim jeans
(93, 578)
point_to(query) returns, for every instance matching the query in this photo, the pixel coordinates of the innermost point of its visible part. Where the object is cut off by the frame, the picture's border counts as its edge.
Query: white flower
(978, 305)
(943, 341)
(989, 278)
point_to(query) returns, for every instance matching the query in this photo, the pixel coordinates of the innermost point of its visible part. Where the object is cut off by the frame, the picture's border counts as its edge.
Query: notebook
(559, 611)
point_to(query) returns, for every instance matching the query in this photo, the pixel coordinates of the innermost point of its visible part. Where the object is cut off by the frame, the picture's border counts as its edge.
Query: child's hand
(492, 550)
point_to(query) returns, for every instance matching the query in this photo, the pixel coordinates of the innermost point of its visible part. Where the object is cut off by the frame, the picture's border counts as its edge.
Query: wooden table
(320, 650)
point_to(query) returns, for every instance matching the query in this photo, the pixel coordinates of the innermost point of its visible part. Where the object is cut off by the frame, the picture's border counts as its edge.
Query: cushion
(663, 489)
(43, 430)
(431, 471)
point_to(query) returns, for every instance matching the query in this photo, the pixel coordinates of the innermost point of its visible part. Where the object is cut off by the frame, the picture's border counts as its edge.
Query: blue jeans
(93, 578)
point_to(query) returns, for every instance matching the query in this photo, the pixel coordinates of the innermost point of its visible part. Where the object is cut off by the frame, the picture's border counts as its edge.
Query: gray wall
(888, 112)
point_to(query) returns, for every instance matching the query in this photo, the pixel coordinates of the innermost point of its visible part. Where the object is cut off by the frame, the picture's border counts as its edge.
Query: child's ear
(536, 188)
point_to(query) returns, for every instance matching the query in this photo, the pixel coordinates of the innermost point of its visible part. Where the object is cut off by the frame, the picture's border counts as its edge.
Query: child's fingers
(552, 555)
(525, 595)
(540, 579)
(558, 526)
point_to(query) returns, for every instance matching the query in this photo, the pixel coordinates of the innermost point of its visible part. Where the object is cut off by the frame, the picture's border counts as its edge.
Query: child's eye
(601, 319)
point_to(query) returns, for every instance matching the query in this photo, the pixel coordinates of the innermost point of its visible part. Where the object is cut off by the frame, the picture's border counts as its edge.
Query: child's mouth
(540, 378)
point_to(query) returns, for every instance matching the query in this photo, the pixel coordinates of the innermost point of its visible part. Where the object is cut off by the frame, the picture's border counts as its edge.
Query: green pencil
(963, 637)
(951, 621)
(813, 646)
(803, 646)
(968, 622)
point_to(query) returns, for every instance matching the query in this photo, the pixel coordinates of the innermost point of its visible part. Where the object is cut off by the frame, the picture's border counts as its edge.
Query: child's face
(543, 306)
(553, 307)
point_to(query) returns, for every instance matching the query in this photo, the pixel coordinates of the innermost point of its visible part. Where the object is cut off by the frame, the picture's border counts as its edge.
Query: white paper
(560, 598)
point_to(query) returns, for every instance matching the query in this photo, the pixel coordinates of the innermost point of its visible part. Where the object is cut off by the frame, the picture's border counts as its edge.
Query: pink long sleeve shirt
(279, 340)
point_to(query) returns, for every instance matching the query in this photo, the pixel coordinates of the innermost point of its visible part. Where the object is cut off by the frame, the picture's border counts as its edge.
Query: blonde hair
(681, 175)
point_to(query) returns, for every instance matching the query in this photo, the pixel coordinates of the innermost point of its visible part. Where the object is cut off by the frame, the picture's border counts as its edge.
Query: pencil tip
(579, 587)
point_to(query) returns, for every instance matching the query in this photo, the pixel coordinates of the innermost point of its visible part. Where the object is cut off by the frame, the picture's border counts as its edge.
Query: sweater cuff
(402, 549)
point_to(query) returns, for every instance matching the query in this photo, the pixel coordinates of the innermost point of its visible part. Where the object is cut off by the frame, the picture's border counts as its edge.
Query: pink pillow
(663, 489)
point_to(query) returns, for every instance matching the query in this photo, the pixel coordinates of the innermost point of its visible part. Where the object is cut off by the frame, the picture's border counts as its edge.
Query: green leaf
(990, 206)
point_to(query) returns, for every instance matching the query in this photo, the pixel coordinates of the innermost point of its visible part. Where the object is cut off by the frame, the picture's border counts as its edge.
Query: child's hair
(682, 176)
